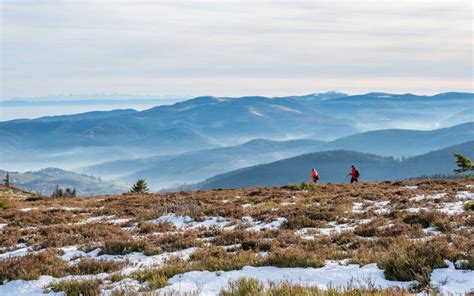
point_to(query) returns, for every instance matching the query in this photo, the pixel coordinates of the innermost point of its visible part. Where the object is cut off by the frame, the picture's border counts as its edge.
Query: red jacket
(353, 173)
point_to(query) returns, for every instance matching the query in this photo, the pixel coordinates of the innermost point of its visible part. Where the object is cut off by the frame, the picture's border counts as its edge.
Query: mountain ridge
(334, 165)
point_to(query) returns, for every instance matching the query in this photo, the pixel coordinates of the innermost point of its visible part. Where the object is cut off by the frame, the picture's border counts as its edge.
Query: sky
(234, 48)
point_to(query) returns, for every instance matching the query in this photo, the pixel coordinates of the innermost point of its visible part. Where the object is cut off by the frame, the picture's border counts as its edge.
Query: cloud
(233, 47)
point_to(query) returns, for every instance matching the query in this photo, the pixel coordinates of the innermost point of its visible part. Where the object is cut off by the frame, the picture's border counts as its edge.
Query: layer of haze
(234, 48)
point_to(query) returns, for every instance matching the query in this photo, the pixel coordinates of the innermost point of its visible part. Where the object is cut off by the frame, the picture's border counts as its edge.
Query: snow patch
(99, 218)
(416, 210)
(27, 209)
(118, 221)
(432, 230)
(285, 109)
(357, 207)
(452, 208)
(254, 111)
(421, 197)
(17, 253)
(27, 288)
(451, 281)
(270, 226)
(63, 209)
(36, 287)
(136, 260)
(332, 274)
(464, 195)
(188, 222)
(305, 233)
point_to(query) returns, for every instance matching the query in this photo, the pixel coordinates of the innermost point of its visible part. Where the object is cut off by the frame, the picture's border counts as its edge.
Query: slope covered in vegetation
(390, 237)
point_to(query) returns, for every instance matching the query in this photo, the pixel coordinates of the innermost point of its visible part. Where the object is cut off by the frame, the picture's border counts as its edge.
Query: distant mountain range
(168, 171)
(93, 99)
(44, 181)
(400, 142)
(212, 122)
(333, 166)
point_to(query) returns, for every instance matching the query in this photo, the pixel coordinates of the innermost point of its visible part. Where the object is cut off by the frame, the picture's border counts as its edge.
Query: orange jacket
(314, 174)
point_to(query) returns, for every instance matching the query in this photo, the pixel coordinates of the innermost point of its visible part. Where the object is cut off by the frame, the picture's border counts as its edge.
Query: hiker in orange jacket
(354, 174)
(314, 175)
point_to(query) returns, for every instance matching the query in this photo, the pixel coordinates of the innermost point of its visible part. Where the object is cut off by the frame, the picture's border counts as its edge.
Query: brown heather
(394, 239)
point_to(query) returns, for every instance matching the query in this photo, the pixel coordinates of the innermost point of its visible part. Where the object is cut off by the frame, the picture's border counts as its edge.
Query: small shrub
(423, 218)
(469, 263)
(94, 266)
(158, 277)
(300, 221)
(76, 288)
(253, 287)
(35, 197)
(306, 186)
(243, 287)
(292, 187)
(5, 203)
(215, 258)
(293, 257)
(256, 244)
(414, 261)
(366, 230)
(148, 227)
(469, 206)
(116, 277)
(157, 281)
(31, 266)
(117, 247)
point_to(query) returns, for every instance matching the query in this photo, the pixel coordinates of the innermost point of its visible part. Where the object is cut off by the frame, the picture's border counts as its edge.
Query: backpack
(357, 174)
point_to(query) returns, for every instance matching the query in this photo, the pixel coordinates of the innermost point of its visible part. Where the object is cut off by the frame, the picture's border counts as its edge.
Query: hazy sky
(234, 47)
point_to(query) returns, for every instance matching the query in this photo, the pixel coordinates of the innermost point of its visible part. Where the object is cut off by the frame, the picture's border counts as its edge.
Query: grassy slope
(392, 231)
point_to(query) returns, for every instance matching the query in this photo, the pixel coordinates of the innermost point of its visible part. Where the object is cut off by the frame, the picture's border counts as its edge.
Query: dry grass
(31, 266)
(76, 287)
(384, 231)
(246, 286)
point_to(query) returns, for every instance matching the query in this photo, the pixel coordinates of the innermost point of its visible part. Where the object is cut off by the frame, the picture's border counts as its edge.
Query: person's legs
(356, 180)
(353, 180)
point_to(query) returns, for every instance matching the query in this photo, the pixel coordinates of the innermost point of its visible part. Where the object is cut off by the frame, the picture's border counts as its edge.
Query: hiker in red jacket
(314, 176)
(354, 174)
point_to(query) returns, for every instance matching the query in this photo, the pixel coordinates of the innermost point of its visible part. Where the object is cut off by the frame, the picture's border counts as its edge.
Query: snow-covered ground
(451, 281)
(16, 253)
(333, 274)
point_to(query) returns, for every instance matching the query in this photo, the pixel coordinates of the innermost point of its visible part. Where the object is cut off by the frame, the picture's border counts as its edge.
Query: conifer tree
(69, 193)
(464, 164)
(139, 187)
(58, 192)
(6, 181)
